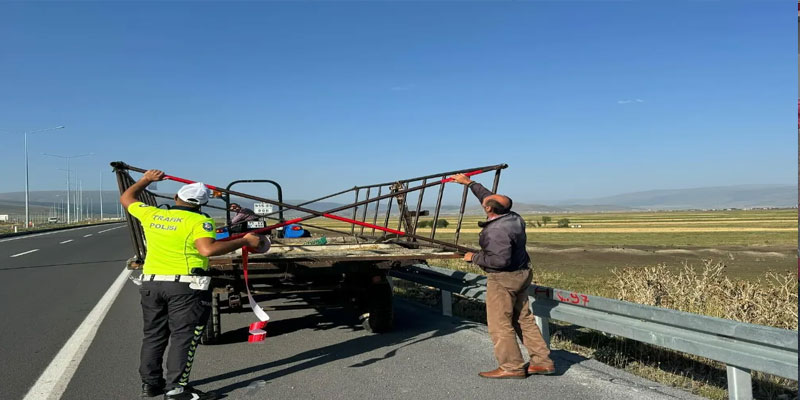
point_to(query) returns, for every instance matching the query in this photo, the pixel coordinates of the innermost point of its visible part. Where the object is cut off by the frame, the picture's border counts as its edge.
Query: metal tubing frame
(364, 214)
(436, 213)
(496, 181)
(355, 214)
(263, 216)
(327, 213)
(377, 208)
(461, 213)
(419, 206)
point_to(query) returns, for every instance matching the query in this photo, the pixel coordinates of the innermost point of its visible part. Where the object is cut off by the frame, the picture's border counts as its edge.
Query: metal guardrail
(742, 347)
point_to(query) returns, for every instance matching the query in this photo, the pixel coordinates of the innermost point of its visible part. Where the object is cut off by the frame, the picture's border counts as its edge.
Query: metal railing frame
(742, 347)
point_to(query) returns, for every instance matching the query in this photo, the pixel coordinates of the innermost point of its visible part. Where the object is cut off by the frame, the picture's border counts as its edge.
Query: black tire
(213, 327)
(379, 306)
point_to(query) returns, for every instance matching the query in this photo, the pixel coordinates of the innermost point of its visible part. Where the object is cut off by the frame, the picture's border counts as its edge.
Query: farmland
(749, 243)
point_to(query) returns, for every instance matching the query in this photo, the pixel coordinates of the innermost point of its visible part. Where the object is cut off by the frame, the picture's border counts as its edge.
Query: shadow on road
(411, 329)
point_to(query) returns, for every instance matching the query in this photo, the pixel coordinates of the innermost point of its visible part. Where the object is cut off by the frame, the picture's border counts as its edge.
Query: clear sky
(581, 99)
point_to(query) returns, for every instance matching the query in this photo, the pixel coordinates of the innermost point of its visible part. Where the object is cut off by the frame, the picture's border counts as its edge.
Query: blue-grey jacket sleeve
(480, 192)
(497, 252)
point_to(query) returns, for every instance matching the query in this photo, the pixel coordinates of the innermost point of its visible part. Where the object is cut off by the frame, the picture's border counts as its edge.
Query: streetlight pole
(69, 181)
(101, 196)
(27, 211)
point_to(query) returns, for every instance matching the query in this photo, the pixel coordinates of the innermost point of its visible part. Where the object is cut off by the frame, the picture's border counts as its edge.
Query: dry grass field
(749, 243)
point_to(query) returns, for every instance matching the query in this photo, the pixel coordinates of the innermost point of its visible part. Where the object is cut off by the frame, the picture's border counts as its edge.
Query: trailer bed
(341, 251)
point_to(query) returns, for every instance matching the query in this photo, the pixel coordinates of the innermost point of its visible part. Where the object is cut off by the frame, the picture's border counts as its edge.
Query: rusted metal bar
(461, 213)
(377, 206)
(496, 180)
(124, 181)
(315, 200)
(355, 211)
(436, 211)
(445, 174)
(419, 206)
(388, 212)
(364, 215)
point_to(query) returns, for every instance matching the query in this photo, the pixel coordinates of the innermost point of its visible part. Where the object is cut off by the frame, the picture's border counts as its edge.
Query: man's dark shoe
(545, 369)
(149, 390)
(190, 393)
(503, 374)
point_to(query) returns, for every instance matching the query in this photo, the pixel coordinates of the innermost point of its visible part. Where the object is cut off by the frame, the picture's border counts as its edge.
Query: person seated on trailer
(239, 221)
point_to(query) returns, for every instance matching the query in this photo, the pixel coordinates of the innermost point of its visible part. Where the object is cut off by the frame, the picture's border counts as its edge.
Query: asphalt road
(315, 349)
(48, 284)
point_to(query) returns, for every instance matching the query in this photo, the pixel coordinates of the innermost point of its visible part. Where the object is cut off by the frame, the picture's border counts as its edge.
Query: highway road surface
(72, 329)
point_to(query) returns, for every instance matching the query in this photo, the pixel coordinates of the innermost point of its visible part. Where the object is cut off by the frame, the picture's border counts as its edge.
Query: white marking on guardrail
(22, 254)
(66, 241)
(55, 378)
(117, 227)
(87, 235)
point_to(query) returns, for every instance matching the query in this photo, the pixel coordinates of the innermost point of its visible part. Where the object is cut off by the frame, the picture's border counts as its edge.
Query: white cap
(195, 193)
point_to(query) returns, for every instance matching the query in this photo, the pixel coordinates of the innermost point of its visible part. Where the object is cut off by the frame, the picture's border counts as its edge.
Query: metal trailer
(355, 262)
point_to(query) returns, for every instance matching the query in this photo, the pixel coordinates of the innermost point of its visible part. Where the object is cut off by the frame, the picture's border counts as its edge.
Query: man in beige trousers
(504, 258)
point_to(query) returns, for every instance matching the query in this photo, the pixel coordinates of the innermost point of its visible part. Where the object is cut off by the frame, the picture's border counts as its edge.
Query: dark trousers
(175, 314)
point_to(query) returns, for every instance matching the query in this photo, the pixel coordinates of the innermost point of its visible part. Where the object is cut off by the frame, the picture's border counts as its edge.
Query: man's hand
(130, 195)
(153, 175)
(468, 256)
(253, 240)
(461, 178)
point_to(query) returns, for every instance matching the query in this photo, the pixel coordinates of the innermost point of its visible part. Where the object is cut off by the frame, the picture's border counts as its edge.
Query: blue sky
(581, 99)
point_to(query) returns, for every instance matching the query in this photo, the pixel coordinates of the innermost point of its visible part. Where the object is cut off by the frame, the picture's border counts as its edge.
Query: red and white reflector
(257, 332)
(257, 329)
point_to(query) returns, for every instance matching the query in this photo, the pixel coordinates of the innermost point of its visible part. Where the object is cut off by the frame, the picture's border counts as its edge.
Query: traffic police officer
(175, 303)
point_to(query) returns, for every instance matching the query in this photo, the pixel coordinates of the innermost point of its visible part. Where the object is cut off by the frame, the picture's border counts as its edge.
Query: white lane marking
(22, 254)
(66, 241)
(55, 378)
(121, 226)
(87, 235)
(45, 233)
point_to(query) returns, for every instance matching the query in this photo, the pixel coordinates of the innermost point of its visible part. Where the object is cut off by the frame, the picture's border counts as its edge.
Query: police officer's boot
(149, 390)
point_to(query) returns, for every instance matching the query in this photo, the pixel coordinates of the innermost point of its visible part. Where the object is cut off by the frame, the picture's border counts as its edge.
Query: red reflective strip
(255, 338)
(258, 325)
(476, 172)
(365, 224)
(181, 180)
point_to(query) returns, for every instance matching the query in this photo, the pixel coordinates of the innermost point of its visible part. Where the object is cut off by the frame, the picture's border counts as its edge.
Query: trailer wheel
(379, 305)
(213, 327)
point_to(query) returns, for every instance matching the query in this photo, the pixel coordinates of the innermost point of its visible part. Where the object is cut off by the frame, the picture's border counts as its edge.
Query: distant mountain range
(723, 197)
(739, 196)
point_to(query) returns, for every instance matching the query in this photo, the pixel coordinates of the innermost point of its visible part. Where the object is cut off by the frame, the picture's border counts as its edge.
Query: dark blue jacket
(502, 240)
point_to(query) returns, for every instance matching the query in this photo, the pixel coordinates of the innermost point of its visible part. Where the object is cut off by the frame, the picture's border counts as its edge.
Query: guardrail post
(447, 303)
(740, 384)
(544, 327)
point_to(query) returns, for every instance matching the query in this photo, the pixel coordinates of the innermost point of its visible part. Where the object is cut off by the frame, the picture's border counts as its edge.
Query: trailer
(353, 262)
